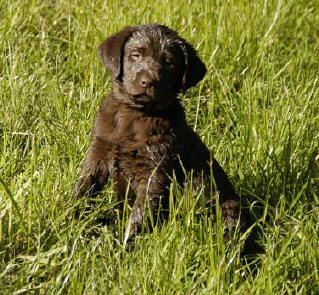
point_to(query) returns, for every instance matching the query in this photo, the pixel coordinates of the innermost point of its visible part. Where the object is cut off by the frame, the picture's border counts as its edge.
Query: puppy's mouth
(142, 97)
(150, 98)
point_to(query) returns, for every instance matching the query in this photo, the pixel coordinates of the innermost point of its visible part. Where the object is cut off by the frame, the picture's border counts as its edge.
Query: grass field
(257, 109)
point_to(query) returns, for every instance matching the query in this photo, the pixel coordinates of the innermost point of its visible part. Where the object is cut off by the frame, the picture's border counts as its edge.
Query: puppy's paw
(232, 217)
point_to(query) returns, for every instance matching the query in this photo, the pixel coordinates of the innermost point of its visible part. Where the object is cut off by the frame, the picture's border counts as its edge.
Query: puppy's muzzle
(143, 88)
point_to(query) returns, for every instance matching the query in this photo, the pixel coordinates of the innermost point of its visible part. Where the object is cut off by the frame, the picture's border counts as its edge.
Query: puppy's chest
(144, 138)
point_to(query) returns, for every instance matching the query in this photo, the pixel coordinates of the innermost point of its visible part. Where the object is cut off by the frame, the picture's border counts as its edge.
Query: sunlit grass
(257, 109)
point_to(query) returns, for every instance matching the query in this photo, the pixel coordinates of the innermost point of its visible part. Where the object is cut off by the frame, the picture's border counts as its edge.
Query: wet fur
(140, 135)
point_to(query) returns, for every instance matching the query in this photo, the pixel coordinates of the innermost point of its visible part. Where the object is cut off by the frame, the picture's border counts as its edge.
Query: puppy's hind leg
(229, 200)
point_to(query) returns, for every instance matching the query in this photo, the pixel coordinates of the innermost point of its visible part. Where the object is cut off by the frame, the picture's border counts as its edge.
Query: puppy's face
(153, 68)
(151, 64)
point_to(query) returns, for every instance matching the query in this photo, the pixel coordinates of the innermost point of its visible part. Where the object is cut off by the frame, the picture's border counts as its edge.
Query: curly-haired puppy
(140, 136)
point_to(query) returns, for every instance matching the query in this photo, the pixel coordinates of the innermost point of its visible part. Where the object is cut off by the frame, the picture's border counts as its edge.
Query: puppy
(140, 136)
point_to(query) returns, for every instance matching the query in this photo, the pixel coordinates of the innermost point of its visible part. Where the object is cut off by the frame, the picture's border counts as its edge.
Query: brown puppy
(140, 136)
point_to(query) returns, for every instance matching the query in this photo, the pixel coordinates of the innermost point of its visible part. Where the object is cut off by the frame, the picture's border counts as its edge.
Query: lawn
(257, 109)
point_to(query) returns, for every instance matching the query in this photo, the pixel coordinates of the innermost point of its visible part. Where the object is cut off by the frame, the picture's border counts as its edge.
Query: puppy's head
(151, 64)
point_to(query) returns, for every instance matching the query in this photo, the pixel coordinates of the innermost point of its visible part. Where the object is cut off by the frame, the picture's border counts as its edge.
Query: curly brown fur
(140, 135)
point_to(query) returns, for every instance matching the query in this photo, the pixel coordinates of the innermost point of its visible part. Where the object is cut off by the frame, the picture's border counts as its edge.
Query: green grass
(257, 109)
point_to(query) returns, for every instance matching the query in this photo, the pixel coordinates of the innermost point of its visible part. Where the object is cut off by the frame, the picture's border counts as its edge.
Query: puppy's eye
(168, 61)
(136, 55)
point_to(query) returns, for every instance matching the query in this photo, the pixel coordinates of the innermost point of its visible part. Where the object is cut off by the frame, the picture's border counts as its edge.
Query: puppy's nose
(145, 81)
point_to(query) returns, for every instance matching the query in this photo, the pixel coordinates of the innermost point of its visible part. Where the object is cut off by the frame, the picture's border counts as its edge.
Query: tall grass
(257, 110)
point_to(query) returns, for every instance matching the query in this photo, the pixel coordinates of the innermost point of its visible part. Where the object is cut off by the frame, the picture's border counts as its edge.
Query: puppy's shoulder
(105, 119)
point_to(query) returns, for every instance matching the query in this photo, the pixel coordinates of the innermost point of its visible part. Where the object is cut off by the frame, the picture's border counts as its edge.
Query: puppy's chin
(151, 103)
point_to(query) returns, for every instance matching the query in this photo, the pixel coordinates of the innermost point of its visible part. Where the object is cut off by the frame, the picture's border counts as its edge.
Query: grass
(257, 109)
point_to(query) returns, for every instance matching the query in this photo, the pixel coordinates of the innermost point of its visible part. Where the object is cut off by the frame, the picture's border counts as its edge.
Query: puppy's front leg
(150, 200)
(94, 174)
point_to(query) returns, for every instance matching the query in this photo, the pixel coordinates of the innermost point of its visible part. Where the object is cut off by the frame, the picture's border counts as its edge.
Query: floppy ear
(195, 69)
(112, 50)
